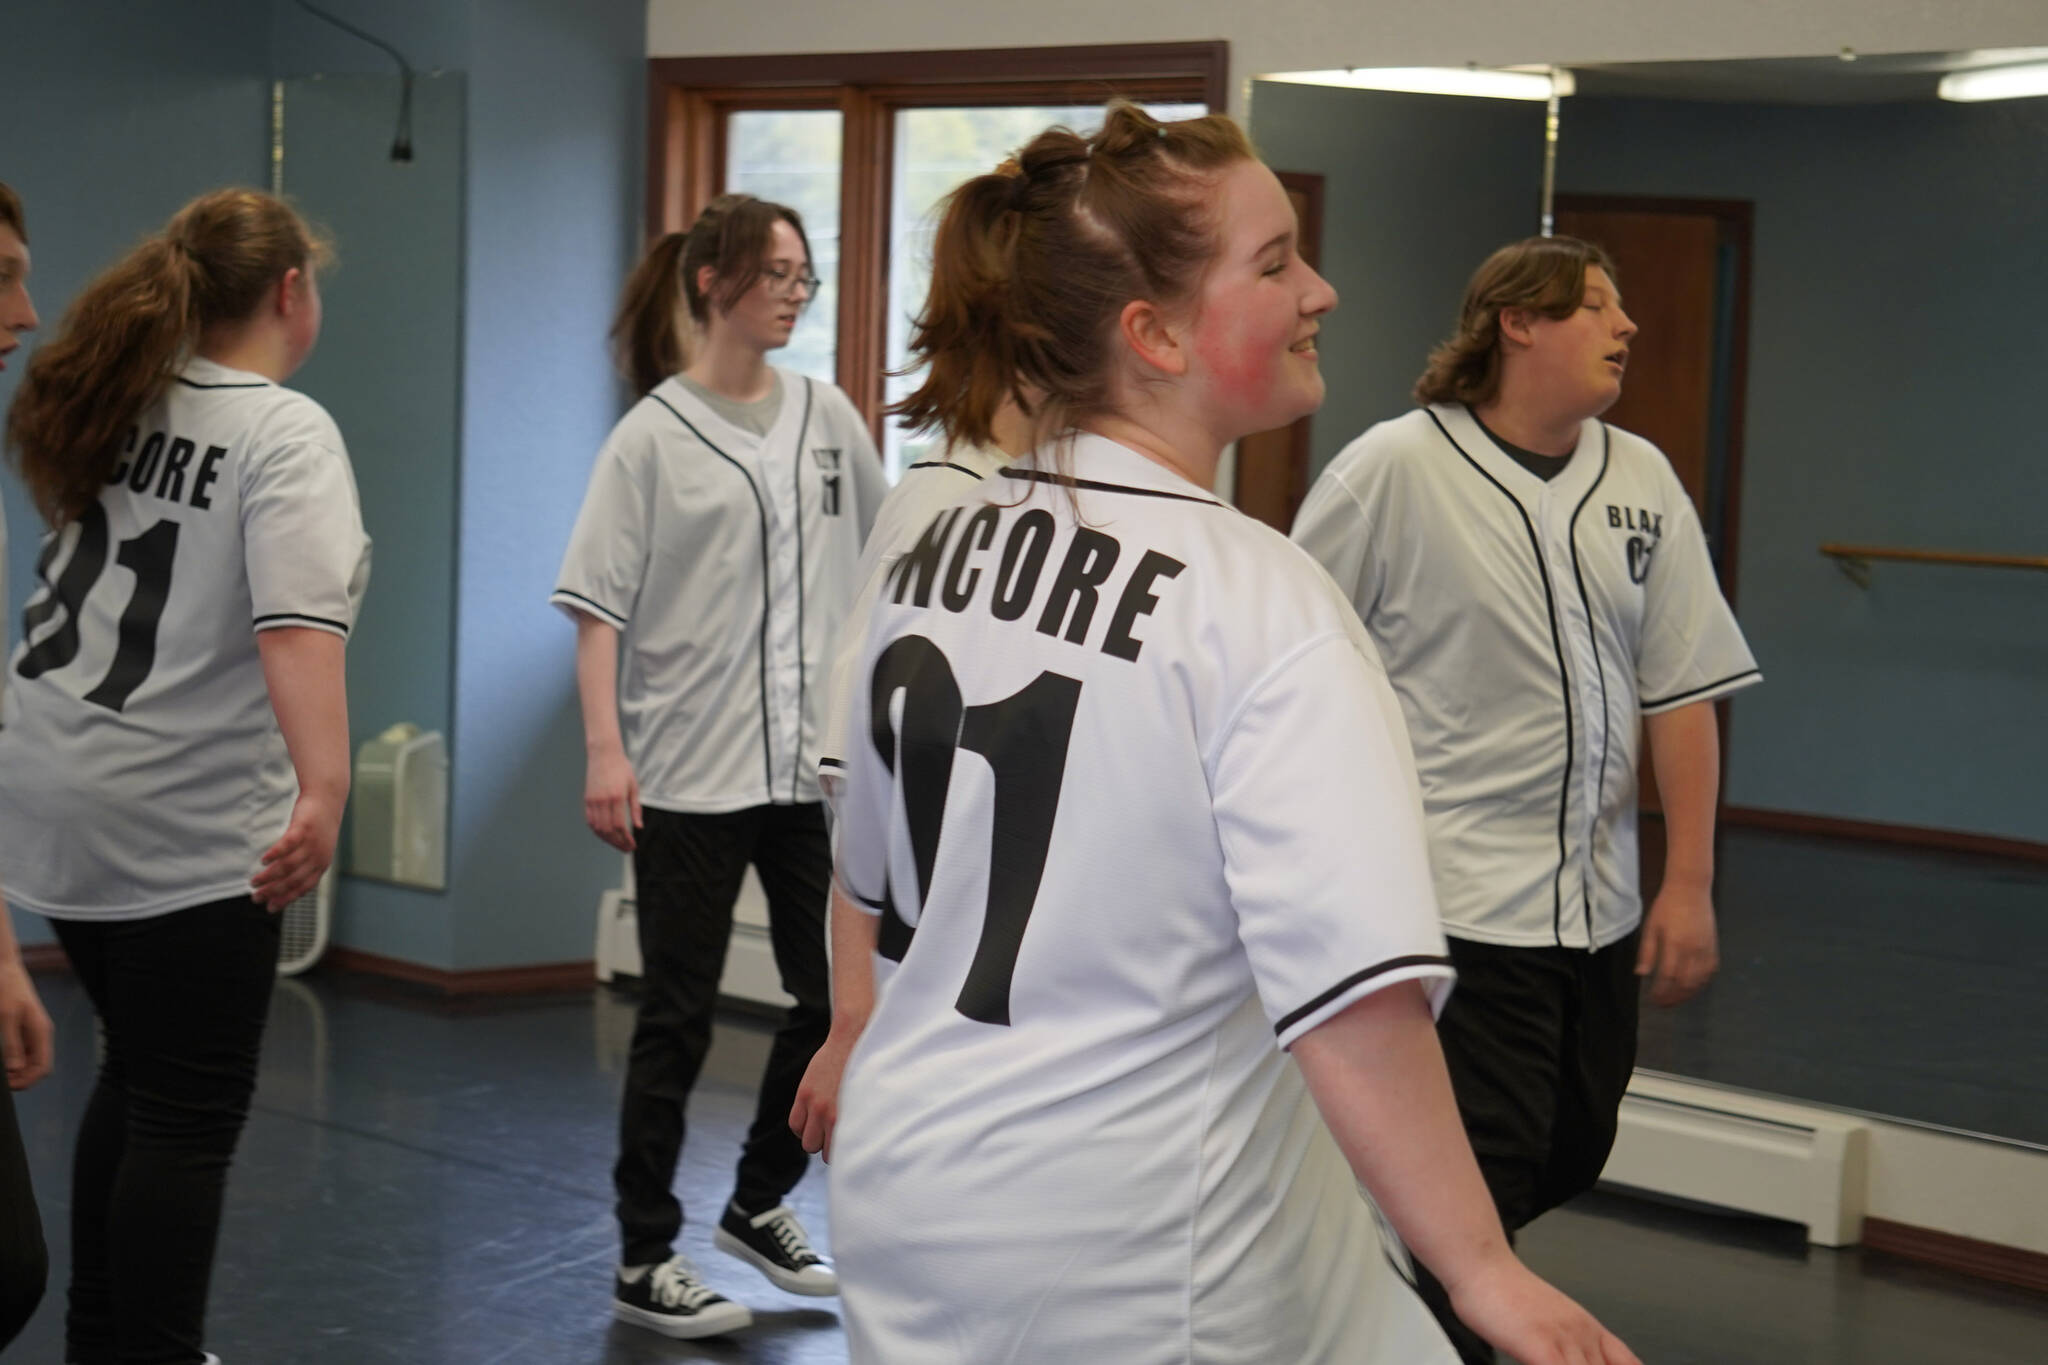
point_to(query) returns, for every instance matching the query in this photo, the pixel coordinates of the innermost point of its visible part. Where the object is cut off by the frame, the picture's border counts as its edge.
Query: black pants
(24, 1261)
(687, 871)
(181, 1000)
(1540, 1043)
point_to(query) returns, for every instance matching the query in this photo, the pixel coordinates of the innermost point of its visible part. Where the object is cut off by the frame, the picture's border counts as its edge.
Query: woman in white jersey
(1134, 816)
(707, 575)
(176, 740)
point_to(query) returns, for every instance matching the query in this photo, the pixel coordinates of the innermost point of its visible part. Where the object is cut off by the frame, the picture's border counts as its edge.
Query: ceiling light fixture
(1996, 83)
(1440, 80)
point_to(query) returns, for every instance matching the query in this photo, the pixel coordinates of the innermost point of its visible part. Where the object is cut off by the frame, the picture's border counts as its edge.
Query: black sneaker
(673, 1300)
(775, 1244)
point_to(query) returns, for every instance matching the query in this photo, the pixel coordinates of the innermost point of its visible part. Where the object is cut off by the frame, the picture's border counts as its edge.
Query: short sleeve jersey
(1527, 626)
(726, 559)
(1134, 803)
(926, 489)
(145, 769)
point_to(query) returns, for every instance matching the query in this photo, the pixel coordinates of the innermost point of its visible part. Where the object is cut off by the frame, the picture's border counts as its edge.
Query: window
(934, 150)
(791, 156)
(864, 146)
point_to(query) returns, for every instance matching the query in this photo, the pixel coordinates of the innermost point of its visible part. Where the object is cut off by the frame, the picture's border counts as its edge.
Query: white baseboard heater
(750, 971)
(1740, 1151)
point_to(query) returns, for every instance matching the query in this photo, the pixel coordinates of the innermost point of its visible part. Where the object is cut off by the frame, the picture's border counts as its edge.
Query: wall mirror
(1837, 274)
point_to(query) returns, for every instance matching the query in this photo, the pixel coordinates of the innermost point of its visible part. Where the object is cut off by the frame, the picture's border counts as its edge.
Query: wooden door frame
(689, 99)
(1738, 219)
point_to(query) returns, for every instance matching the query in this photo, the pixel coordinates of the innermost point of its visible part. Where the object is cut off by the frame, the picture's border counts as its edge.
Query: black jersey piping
(1094, 486)
(1392, 964)
(1694, 692)
(943, 464)
(1563, 673)
(1571, 532)
(836, 765)
(761, 509)
(194, 384)
(796, 759)
(610, 617)
(341, 626)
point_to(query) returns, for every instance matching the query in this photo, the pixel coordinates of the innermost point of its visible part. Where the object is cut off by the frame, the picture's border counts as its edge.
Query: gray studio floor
(430, 1185)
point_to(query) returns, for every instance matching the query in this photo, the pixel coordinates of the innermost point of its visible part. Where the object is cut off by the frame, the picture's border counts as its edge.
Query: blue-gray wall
(388, 368)
(557, 106)
(1895, 349)
(118, 113)
(1417, 190)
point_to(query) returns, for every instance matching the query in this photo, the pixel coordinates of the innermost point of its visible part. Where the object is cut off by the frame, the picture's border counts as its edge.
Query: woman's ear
(1515, 326)
(705, 276)
(290, 291)
(1151, 339)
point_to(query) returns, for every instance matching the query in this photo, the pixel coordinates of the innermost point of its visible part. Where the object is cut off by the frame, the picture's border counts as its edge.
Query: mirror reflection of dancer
(1538, 586)
(707, 575)
(177, 720)
(26, 1039)
(1131, 810)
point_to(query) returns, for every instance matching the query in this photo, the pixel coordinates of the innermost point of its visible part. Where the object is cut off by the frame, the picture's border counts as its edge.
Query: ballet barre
(1855, 560)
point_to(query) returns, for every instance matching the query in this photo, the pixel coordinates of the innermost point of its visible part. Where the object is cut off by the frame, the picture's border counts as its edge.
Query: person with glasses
(708, 574)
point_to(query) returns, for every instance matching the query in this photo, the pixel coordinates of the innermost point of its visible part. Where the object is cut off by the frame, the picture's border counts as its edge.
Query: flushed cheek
(1246, 363)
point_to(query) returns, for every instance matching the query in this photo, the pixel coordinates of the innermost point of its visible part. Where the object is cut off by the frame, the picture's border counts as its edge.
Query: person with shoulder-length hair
(1538, 585)
(1130, 815)
(25, 1034)
(707, 575)
(176, 745)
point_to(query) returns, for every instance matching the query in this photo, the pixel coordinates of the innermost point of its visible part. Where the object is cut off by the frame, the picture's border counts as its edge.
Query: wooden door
(1272, 466)
(1684, 267)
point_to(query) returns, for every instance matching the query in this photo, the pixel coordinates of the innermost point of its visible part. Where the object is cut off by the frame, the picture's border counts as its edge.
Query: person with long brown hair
(1131, 817)
(25, 1034)
(176, 741)
(707, 575)
(1538, 585)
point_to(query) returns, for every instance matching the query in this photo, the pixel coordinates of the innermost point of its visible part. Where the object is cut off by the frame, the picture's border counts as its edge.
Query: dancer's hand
(26, 1035)
(816, 1111)
(1522, 1315)
(295, 863)
(1680, 950)
(611, 798)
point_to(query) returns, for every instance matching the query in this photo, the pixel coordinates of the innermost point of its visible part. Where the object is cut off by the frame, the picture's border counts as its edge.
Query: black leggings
(687, 874)
(24, 1261)
(181, 1000)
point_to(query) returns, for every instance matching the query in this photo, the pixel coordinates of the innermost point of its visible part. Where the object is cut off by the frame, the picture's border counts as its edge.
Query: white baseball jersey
(727, 560)
(1134, 803)
(145, 769)
(926, 489)
(1527, 626)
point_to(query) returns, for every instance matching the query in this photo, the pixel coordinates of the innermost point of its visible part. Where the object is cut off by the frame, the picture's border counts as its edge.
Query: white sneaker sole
(714, 1321)
(777, 1276)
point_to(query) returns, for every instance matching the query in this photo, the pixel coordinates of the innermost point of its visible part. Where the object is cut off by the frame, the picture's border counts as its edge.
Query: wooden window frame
(691, 99)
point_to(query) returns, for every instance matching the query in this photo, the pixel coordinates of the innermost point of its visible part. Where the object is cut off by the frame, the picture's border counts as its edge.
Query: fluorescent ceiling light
(1996, 83)
(1439, 80)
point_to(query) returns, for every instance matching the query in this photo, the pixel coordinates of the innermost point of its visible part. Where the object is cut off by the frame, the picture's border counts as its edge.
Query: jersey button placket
(1582, 690)
(785, 650)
